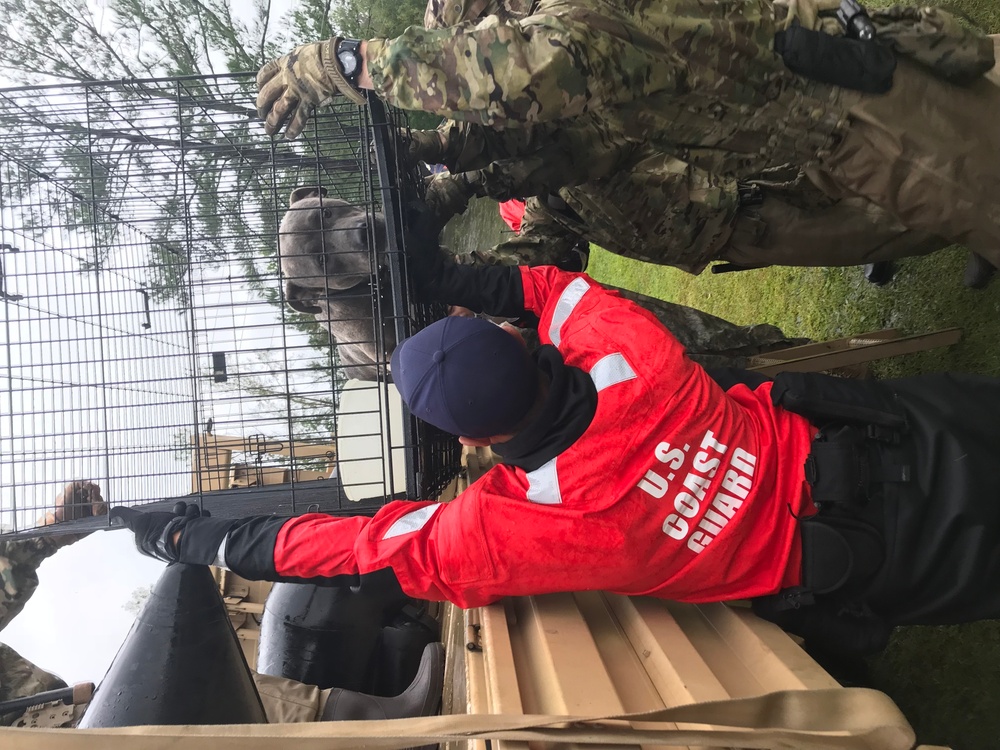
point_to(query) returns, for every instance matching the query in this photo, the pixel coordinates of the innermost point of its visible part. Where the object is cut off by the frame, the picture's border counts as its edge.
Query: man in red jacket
(626, 467)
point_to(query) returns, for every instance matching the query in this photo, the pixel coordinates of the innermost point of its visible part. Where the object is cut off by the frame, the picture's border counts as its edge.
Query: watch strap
(332, 67)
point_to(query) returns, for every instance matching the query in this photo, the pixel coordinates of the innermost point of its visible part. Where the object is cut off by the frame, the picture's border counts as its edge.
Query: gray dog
(326, 256)
(327, 250)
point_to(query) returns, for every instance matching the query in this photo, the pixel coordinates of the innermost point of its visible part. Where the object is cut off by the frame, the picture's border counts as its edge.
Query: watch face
(348, 62)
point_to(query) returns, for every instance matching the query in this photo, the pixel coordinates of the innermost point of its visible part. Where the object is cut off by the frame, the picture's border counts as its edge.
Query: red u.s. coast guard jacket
(676, 489)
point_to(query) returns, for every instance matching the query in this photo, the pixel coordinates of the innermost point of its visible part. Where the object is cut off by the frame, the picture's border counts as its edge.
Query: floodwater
(479, 228)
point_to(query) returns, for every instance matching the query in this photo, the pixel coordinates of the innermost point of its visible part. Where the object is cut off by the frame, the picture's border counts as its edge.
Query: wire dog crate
(148, 347)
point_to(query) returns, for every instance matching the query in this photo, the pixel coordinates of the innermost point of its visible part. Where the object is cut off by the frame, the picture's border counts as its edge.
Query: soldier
(593, 185)
(703, 83)
(650, 206)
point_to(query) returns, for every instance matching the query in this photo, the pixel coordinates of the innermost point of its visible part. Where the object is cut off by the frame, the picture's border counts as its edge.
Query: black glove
(422, 243)
(423, 226)
(496, 290)
(201, 535)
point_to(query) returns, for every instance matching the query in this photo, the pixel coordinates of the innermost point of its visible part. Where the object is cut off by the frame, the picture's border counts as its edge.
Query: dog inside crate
(166, 332)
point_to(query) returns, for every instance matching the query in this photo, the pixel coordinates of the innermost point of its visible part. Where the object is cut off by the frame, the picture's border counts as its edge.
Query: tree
(137, 600)
(214, 196)
(77, 40)
(367, 19)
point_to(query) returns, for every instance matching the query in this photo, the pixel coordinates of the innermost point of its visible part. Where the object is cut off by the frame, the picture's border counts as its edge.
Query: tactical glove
(447, 195)
(427, 146)
(200, 535)
(294, 85)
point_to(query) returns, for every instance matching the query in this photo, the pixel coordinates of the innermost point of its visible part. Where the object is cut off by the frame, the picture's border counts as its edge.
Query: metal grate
(146, 342)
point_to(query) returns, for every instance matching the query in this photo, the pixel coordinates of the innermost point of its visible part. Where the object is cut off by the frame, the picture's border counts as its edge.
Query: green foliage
(204, 196)
(368, 19)
(78, 40)
(310, 21)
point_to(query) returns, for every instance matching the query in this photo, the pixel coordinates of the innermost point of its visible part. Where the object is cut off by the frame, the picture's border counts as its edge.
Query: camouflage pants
(712, 341)
(850, 232)
(20, 678)
(940, 176)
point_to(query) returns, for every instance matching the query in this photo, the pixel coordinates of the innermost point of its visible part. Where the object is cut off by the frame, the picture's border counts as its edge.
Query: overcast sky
(75, 622)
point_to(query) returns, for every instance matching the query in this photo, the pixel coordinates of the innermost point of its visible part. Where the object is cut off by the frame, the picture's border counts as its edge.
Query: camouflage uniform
(655, 208)
(20, 678)
(653, 69)
(712, 341)
(579, 153)
(700, 82)
(520, 162)
(636, 202)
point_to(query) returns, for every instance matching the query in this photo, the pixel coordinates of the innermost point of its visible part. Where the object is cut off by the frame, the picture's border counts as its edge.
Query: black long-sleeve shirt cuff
(244, 546)
(494, 290)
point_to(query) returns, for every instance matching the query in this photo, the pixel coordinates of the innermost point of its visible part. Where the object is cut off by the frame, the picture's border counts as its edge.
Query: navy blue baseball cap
(467, 376)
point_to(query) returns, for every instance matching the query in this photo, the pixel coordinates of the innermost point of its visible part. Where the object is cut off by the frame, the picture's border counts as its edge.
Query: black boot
(978, 272)
(880, 273)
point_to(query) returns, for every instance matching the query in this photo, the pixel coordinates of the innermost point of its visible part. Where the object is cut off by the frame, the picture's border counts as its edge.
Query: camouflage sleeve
(550, 156)
(20, 678)
(659, 210)
(468, 146)
(465, 146)
(541, 242)
(19, 561)
(559, 63)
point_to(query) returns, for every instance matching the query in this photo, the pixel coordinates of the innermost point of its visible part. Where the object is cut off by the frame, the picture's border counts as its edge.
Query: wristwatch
(350, 59)
(749, 193)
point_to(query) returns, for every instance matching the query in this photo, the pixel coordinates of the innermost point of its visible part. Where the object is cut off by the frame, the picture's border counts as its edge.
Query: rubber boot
(421, 698)
(880, 273)
(978, 272)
